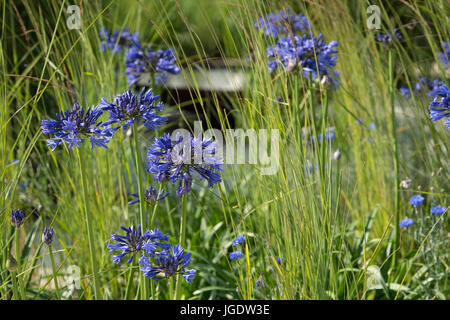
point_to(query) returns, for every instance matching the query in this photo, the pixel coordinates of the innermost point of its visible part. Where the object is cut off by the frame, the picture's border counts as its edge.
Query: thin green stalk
(14, 285)
(55, 277)
(141, 199)
(395, 153)
(87, 218)
(130, 280)
(18, 255)
(182, 242)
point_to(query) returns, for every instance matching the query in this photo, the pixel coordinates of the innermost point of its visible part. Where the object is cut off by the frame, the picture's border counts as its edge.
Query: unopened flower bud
(337, 154)
(17, 218)
(47, 236)
(405, 184)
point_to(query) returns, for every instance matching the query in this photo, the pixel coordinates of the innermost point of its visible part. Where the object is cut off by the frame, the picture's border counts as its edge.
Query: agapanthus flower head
(168, 263)
(17, 218)
(118, 41)
(47, 236)
(151, 196)
(140, 61)
(416, 200)
(406, 222)
(177, 160)
(282, 22)
(309, 55)
(438, 210)
(440, 106)
(279, 260)
(444, 56)
(134, 242)
(424, 85)
(235, 255)
(128, 108)
(389, 37)
(75, 125)
(239, 240)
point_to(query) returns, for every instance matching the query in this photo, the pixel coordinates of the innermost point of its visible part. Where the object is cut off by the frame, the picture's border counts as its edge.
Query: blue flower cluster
(176, 160)
(423, 85)
(440, 108)
(282, 22)
(74, 125)
(118, 41)
(151, 196)
(141, 61)
(235, 255)
(389, 37)
(416, 200)
(47, 236)
(406, 222)
(157, 259)
(445, 55)
(311, 56)
(169, 262)
(128, 108)
(133, 242)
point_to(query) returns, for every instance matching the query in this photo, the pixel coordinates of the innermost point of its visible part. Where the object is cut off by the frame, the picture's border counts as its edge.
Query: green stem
(130, 280)
(182, 242)
(395, 153)
(18, 259)
(55, 277)
(14, 285)
(87, 218)
(141, 200)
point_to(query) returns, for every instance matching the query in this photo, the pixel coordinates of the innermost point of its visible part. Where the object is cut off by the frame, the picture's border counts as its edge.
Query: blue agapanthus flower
(406, 222)
(311, 56)
(389, 37)
(75, 125)
(444, 56)
(424, 85)
(282, 22)
(128, 108)
(140, 61)
(416, 200)
(440, 106)
(134, 242)
(17, 218)
(118, 41)
(239, 240)
(177, 161)
(235, 255)
(438, 210)
(151, 196)
(168, 262)
(279, 260)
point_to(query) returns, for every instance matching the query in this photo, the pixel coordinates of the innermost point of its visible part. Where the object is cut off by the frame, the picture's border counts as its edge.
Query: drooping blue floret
(440, 106)
(444, 56)
(405, 92)
(75, 125)
(282, 22)
(17, 218)
(151, 196)
(134, 242)
(169, 262)
(235, 255)
(311, 56)
(118, 41)
(279, 260)
(128, 108)
(406, 222)
(177, 161)
(140, 61)
(416, 200)
(389, 37)
(438, 210)
(239, 240)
